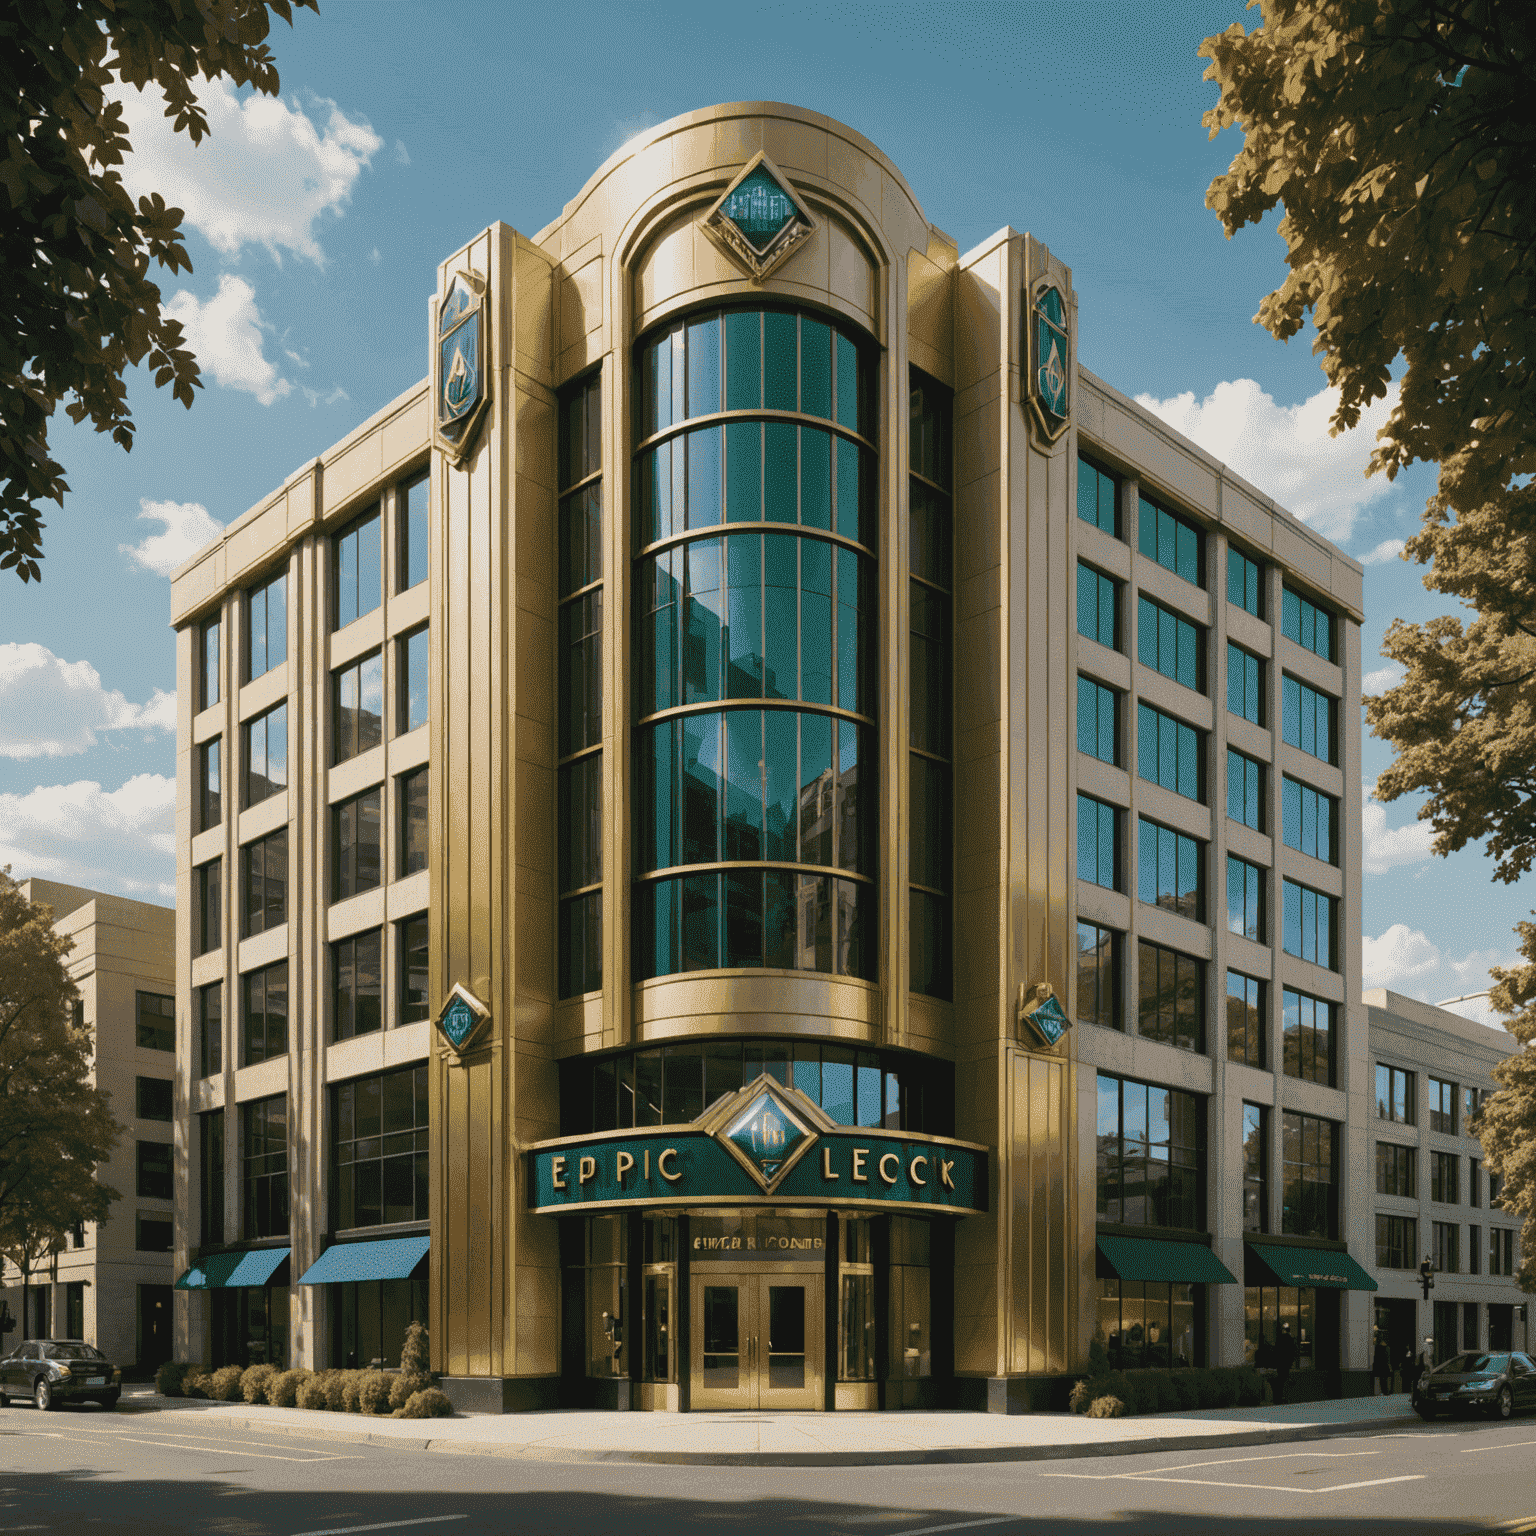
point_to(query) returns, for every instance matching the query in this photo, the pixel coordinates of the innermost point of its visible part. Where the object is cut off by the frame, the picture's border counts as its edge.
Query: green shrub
(1106, 1408)
(405, 1386)
(253, 1384)
(336, 1390)
(1186, 1388)
(170, 1378)
(313, 1391)
(224, 1384)
(283, 1388)
(1083, 1393)
(196, 1382)
(429, 1403)
(373, 1392)
(1098, 1358)
(1250, 1387)
(1226, 1381)
(351, 1388)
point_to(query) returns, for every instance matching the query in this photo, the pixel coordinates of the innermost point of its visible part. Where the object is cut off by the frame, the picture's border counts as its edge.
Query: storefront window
(607, 1253)
(369, 1320)
(856, 1304)
(1149, 1323)
(1269, 1309)
(911, 1321)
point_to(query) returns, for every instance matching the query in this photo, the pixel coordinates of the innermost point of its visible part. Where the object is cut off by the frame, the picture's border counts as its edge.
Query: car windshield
(1476, 1365)
(71, 1352)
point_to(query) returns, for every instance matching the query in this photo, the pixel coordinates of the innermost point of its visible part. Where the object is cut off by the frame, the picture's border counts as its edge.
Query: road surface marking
(180, 1445)
(1508, 1445)
(959, 1525)
(383, 1525)
(1204, 1482)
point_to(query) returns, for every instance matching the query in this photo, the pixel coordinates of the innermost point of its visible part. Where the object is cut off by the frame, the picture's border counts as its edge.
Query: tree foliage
(78, 306)
(55, 1125)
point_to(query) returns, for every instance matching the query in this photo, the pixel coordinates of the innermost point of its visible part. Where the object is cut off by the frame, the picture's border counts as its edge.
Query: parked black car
(1498, 1383)
(54, 1371)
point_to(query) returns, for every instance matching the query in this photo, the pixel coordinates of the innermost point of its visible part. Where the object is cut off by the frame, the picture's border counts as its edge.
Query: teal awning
(391, 1258)
(228, 1271)
(1330, 1268)
(1153, 1258)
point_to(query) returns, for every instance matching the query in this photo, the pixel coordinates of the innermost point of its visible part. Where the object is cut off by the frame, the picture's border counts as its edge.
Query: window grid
(413, 532)
(1442, 1106)
(379, 1152)
(1397, 1242)
(1171, 540)
(1395, 1094)
(1311, 925)
(210, 784)
(1098, 843)
(1245, 790)
(1170, 997)
(264, 1166)
(1098, 607)
(1447, 1249)
(411, 947)
(1445, 1178)
(208, 896)
(1170, 753)
(1151, 1154)
(412, 690)
(357, 707)
(1098, 496)
(1170, 645)
(1396, 1170)
(1501, 1250)
(1244, 587)
(210, 1025)
(1098, 721)
(264, 754)
(411, 793)
(1306, 624)
(357, 586)
(266, 626)
(156, 1021)
(1310, 1192)
(265, 1013)
(209, 644)
(1255, 1168)
(1245, 899)
(1308, 818)
(355, 849)
(357, 996)
(1098, 976)
(1307, 719)
(1245, 685)
(1245, 1019)
(1170, 870)
(1309, 1052)
(264, 866)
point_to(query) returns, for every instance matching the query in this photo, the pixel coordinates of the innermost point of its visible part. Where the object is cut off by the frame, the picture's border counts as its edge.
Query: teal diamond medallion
(767, 1138)
(462, 1020)
(759, 219)
(1048, 1021)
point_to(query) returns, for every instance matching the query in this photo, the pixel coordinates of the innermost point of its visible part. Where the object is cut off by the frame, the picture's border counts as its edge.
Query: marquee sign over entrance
(766, 1141)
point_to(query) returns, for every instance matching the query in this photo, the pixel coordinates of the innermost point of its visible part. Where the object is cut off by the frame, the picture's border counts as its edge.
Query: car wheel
(5, 1401)
(1505, 1405)
(42, 1394)
(109, 1402)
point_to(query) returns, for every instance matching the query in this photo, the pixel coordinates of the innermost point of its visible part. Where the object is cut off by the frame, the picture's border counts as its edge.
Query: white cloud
(54, 708)
(263, 175)
(1399, 959)
(187, 528)
(225, 333)
(402, 154)
(1388, 549)
(1408, 961)
(1383, 678)
(1384, 847)
(122, 839)
(330, 397)
(1285, 450)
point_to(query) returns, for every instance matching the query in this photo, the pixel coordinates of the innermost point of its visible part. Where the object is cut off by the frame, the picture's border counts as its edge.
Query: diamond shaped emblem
(1048, 1021)
(767, 1137)
(759, 219)
(1049, 348)
(462, 1019)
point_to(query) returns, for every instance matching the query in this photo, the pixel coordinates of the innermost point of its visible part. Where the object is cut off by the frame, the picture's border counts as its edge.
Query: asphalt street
(156, 1472)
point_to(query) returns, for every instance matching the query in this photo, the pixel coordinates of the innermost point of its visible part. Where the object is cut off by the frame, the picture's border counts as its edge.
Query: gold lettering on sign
(587, 1170)
(557, 1172)
(946, 1167)
(623, 1163)
(860, 1154)
(895, 1162)
(661, 1165)
(912, 1170)
(826, 1164)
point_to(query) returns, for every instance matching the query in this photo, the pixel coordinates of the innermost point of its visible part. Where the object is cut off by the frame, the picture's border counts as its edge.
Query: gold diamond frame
(482, 1019)
(457, 438)
(807, 1118)
(723, 231)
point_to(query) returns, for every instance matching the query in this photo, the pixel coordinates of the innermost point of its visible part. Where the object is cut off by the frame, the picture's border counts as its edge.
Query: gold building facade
(741, 885)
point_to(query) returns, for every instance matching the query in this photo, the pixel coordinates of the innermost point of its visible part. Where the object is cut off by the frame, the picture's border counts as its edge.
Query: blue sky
(315, 224)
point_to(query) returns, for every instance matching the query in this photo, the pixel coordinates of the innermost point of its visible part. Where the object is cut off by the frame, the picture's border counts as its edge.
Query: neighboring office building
(630, 709)
(1434, 1197)
(111, 1283)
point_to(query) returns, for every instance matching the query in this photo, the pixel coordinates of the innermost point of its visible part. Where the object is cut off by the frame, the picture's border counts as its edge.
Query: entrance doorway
(154, 1325)
(1396, 1325)
(757, 1338)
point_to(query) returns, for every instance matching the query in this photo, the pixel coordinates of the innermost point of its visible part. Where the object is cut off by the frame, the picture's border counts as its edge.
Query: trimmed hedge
(426, 1404)
(1155, 1391)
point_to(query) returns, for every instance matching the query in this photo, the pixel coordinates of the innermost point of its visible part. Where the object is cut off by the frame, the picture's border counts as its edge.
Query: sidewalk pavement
(803, 1439)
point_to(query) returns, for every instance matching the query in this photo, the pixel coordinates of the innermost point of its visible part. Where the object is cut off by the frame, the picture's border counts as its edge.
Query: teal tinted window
(266, 626)
(1169, 644)
(1173, 541)
(1097, 843)
(412, 503)
(1245, 684)
(1311, 925)
(1170, 870)
(1097, 609)
(1098, 497)
(1308, 625)
(1245, 899)
(1308, 819)
(1307, 719)
(1245, 790)
(1169, 753)
(1097, 720)
(1243, 582)
(357, 584)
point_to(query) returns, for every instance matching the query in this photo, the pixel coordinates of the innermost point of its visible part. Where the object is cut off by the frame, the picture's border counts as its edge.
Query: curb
(958, 1455)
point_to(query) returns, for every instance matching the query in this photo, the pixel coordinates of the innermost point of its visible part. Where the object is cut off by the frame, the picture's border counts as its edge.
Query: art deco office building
(763, 838)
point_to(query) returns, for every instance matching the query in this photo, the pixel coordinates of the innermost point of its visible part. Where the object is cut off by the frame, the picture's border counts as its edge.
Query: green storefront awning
(229, 1271)
(1152, 1258)
(1330, 1268)
(390, 1258)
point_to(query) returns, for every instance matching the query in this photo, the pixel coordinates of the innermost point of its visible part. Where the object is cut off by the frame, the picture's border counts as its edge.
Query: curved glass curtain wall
(755, 601)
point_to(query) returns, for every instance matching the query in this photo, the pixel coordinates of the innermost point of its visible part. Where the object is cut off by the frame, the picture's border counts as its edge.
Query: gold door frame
(753, 1281)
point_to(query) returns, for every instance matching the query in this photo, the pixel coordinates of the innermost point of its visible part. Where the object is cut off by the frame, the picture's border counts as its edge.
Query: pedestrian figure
(1285, 1358)
(1410, 1371)
(1381, 1366)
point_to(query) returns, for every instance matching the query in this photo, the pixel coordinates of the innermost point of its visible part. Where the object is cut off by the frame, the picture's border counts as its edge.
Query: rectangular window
(210, 785)
(355, 862)
(1308, 820)
(208, 652)
(1255, 1168)
(1098, 721)
(1397, 1242)
(1307, 719)
(1245, 790)
(1245, 1019)
(1169, 644)
(1170, 753)
(413, 531)
(1445, 1178)
(265, 1014)
(1170, 997)
(152, 1232)
(210, 1028)
(1170, 870)
(1308, 1037)
(411, 707)
(152, 1170)
(1474, 1250)
(266, 627)
(1308, 625)
(265, 882)
(264, 1166)
(208, 915)
(1098, 607)
(1501, 1251)
(1245, 899)
(153, 1098)
(156, 1021)
(211, 1164)
(412, 796)
(1474, 1182)
(411, 940)
(1098, 497)
(356, 567)
(1171, 540)
(357, 707)
(356, 994)
(1442, 1106)
(1310, 1189)
(1495, 1184)
(265, 754)
(1243, 585)
(1245, 685)
(379, 1149)
(1311, 925)
(1098, 843)
(1447, 1254)
(1151, 1155)
(1396, 1171)
(1395, 1095)
(1098, 976)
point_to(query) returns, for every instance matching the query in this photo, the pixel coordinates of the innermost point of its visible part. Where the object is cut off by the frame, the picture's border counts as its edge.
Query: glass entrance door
(757, 1339)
